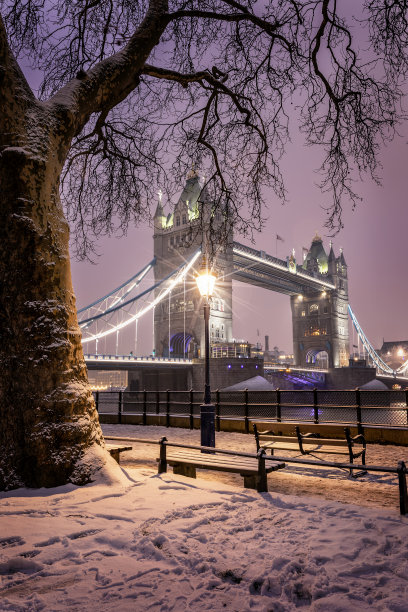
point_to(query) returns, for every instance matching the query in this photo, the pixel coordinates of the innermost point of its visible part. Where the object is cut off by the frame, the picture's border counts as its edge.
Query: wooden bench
(253, 469)
(115, 450)
(311, 444)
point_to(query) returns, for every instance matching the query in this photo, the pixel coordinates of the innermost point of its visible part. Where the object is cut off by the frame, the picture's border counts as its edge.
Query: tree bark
(47, 413)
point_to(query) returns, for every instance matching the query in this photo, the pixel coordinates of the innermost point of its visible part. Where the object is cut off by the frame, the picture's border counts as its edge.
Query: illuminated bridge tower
(178, 320)
(320, 320)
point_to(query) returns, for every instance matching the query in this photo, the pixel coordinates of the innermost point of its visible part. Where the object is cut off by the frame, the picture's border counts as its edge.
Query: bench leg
(115, 454)
(353, 473)
(402, 482)
(185, 470)
(259, 483)
(250, 482)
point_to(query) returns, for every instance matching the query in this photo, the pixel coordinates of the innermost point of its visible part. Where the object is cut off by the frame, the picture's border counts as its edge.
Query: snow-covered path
(149, 542)
(375, 489)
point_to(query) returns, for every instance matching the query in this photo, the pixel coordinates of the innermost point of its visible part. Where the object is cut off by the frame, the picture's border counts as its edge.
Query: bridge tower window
(184, 219)
(177, 221)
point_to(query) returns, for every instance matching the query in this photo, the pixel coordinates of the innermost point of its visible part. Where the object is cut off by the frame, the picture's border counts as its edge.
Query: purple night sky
(373, 239)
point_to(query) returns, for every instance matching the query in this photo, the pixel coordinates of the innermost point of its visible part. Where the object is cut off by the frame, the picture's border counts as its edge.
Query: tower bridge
(317, 288)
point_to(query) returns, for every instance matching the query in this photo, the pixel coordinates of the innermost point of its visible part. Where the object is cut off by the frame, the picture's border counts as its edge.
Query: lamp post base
(207, 427)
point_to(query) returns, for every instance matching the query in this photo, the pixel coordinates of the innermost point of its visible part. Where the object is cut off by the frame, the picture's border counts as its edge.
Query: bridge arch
(318, 357)
(181, 344)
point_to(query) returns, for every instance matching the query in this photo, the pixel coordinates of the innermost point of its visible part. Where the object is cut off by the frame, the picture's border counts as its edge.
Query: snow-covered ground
(150, 542)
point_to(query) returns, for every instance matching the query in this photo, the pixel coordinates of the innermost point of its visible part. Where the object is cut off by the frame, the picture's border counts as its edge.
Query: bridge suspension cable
(119, 307)
(116, 296)
(373, 355)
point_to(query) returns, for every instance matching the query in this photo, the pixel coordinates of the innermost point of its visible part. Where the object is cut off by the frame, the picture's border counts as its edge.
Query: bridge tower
(178, 320)
(320, 320)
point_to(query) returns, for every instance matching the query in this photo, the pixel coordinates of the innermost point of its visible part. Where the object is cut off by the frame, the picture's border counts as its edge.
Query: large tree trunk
(49, 428)
(47, 413)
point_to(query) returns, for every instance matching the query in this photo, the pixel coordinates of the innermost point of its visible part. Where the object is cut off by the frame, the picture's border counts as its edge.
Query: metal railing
(386, 409)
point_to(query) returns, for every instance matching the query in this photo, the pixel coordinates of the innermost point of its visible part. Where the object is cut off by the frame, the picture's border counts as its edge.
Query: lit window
(303, 313)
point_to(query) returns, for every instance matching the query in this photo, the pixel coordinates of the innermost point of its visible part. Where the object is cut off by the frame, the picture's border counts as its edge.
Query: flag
(279, 238)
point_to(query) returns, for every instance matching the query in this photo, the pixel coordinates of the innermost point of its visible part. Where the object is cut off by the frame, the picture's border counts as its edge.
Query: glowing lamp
(206, 282)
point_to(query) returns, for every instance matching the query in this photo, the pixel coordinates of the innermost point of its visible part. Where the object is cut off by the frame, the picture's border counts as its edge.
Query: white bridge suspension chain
(173, 280)
(376, 359)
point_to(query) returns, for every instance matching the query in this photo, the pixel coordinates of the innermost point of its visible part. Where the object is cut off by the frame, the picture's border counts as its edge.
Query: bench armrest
(260, 433)
(310, 434)
(360, 439)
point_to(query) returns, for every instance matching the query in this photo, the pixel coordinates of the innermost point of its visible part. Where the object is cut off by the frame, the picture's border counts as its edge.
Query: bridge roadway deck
(259, 268)
(129, 362)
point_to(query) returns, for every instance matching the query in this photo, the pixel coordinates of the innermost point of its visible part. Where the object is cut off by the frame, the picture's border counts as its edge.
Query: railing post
(168, 408)
(358, 412)
(97, 401)
(217, 410)
(406, 401)
(163, 458)
(278, 406)
(191, 409)
(144, 407)
(246, 421)
(120, 407)
(402, 484)
(315, 408)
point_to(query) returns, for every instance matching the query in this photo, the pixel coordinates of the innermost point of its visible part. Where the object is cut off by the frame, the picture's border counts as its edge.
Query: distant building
(394, 353)
(108, 380)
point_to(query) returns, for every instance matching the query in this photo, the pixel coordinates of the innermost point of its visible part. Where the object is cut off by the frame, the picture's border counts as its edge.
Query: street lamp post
(205, 282)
